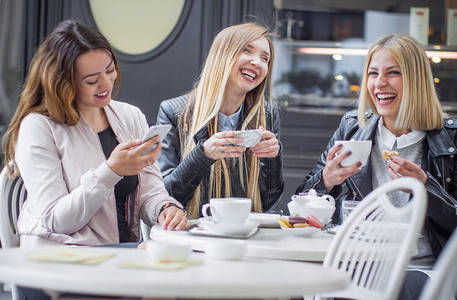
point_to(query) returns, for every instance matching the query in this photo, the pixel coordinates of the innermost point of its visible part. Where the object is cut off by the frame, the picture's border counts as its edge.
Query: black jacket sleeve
(181, 176)
(271, 180)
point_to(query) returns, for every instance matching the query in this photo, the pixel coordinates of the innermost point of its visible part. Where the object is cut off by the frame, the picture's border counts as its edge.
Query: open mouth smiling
(385, 98)
(251, 75)
(103, 94)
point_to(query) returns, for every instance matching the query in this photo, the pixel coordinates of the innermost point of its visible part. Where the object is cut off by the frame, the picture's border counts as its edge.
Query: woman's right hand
(127, 159)
(333, 173)
(220, 145)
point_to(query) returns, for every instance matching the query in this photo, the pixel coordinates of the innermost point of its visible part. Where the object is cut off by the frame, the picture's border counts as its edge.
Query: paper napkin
(69, 255)
(150, 263)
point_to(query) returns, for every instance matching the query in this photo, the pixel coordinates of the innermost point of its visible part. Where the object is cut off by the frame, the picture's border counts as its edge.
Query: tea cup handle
(330, 199)
(205, 210)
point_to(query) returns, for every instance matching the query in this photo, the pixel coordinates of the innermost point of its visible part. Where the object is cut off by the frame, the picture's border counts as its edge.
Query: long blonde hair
(420, 108)
(205, 101)
(49, 88)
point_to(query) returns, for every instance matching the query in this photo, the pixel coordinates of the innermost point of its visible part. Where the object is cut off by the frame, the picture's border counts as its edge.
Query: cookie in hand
(386, 154)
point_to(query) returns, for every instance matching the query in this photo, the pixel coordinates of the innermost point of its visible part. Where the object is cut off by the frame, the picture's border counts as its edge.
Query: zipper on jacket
(355, 190)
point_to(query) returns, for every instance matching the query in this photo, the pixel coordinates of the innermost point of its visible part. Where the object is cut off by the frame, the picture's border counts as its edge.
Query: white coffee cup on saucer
(228, 210)
(360, 150)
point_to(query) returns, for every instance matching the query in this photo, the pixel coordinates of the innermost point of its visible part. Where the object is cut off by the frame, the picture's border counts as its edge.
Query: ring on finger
(340, 173)
(222, 148)
(149, 163)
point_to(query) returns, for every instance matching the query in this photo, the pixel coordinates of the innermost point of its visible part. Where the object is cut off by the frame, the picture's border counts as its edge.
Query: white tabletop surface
(266, 243)
(247, 278)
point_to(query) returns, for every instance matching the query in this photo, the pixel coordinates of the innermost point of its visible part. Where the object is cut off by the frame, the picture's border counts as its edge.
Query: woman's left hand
(400, 167)
(268, 145)
(173, 218)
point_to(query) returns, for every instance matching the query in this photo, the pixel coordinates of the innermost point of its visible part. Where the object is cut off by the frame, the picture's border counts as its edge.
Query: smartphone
(160, 130)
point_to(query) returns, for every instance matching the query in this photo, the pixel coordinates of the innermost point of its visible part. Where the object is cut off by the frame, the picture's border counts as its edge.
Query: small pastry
(284, 223)
(313, 221)
(300, 225)
(386, 154)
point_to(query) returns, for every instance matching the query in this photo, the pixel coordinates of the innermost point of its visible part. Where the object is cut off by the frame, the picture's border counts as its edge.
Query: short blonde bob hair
(420, 108)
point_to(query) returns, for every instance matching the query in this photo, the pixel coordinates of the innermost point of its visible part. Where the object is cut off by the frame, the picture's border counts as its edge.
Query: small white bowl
(304, 231)
(323, 214)
(225, 249)
(265, 219)
(173, 251)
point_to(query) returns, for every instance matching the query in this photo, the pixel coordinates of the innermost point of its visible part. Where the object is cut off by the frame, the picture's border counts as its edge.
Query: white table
(247, 278)
(267, 243)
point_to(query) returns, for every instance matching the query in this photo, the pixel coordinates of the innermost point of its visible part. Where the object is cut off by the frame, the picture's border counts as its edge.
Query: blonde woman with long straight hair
(398, 111)
(200, 158)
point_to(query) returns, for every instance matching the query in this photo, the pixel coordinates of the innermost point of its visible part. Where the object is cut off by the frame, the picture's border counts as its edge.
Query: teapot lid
(311, 198)
(311, 192)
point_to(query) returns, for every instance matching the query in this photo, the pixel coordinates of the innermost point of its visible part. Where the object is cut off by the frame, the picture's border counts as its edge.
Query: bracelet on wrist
(172, 204)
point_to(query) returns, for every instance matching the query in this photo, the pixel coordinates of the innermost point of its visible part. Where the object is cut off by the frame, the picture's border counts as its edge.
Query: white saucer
(228, 229)
(305, 231)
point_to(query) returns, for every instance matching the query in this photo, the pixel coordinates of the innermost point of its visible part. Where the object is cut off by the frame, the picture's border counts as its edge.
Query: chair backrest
(375, 244)
(145, 231)
(12, 196)
(442, 285)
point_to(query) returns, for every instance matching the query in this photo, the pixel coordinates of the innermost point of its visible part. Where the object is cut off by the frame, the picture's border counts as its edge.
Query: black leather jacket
(183, 176)
(439, 163)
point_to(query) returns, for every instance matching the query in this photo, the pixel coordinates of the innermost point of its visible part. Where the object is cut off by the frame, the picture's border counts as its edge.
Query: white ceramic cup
(360, 150)
(225, 249)
(228, 210)
(169, 250)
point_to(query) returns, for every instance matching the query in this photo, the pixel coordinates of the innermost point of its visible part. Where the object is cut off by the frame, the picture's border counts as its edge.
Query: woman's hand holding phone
(156, 130)
(130, 158)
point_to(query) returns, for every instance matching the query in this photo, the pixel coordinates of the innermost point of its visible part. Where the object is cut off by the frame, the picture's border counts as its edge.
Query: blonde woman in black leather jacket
(409, 104)
(405, 115)
(198, 159)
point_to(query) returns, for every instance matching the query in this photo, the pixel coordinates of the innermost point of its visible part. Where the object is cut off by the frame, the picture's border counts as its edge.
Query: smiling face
(251, 67)
(94, 79)
(385, 85)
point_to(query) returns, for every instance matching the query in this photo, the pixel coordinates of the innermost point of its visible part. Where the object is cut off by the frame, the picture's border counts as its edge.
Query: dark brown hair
(49, 88)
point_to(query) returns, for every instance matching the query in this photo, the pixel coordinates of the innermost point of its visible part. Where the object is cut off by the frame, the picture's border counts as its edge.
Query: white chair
(442, 285)
(12, 195)
(375, 244)
(145, 231)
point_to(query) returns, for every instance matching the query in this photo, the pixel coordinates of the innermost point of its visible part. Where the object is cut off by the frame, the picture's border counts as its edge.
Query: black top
(123, 188)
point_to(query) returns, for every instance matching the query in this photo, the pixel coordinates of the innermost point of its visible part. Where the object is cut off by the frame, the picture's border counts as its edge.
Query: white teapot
(321, 207)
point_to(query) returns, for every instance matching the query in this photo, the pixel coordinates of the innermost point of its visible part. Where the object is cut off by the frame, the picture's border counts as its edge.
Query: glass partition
(321, 52)
(324, 77)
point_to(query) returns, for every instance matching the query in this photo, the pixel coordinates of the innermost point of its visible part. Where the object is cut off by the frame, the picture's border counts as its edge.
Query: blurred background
(162, 44)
